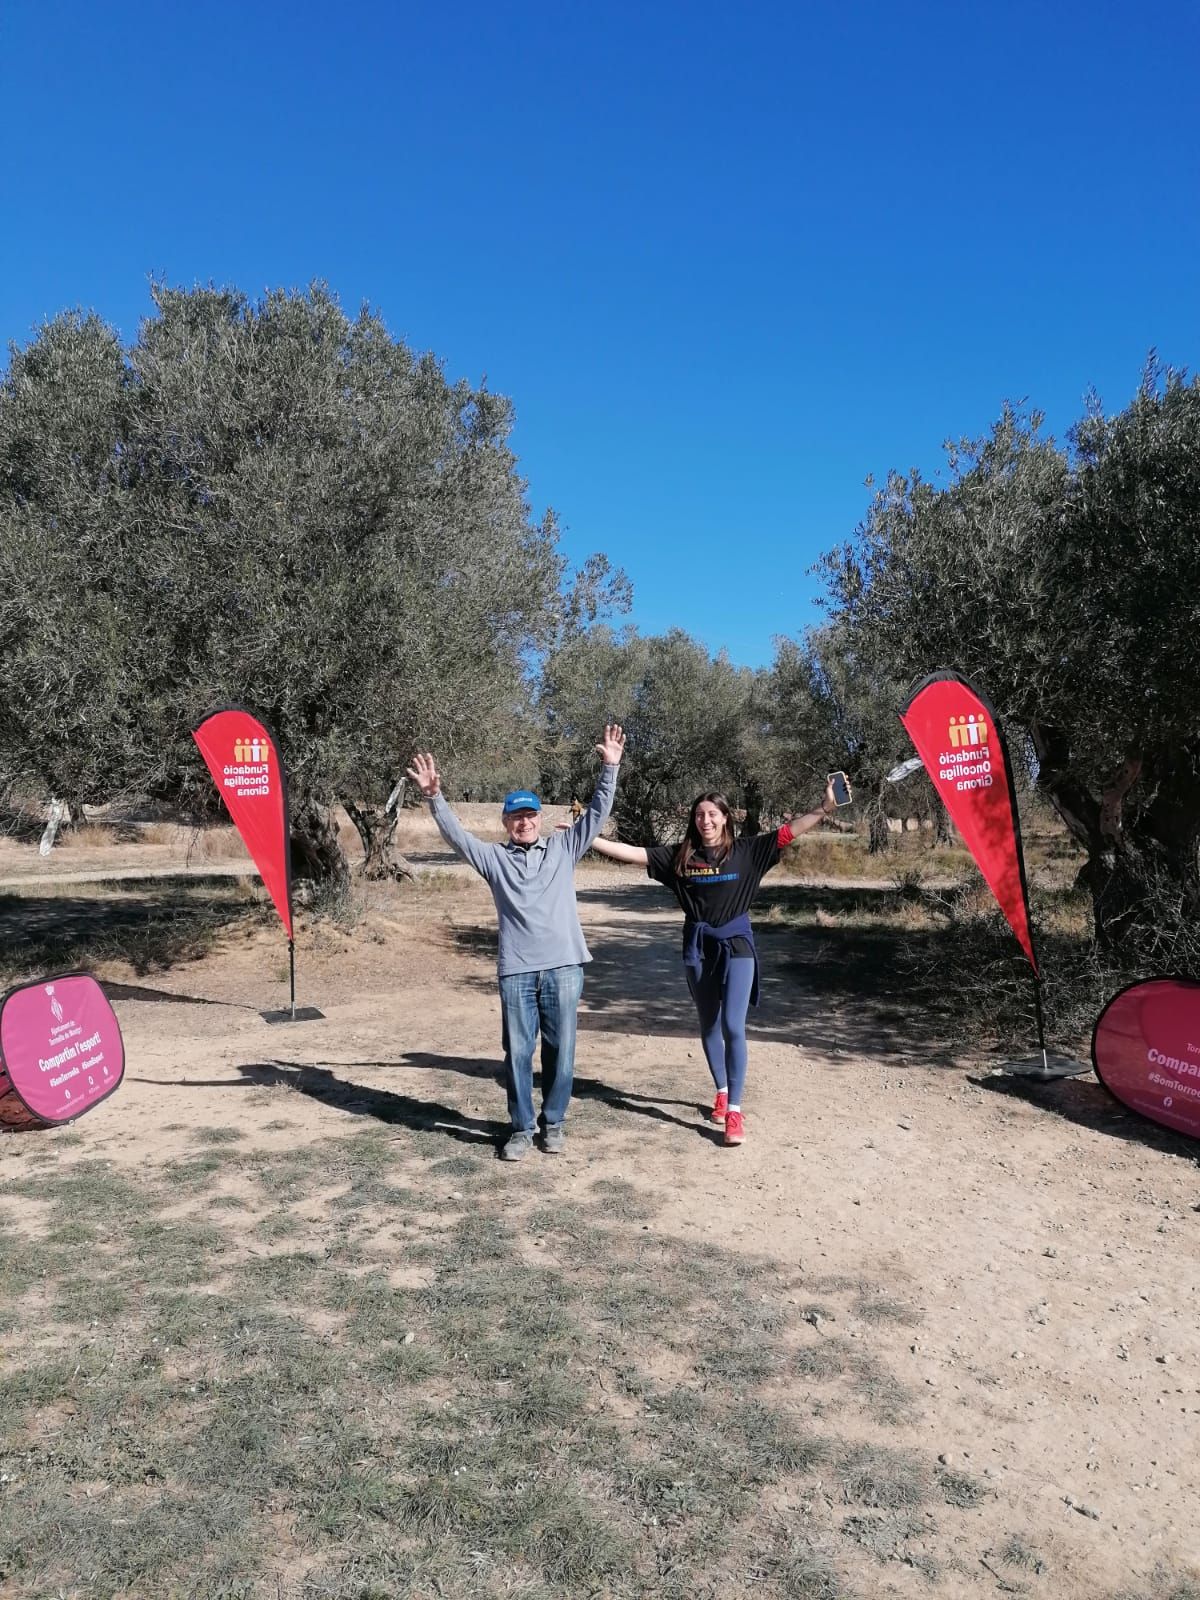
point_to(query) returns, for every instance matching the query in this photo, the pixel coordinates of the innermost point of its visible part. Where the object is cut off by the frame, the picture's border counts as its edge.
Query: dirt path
(1021, 1265)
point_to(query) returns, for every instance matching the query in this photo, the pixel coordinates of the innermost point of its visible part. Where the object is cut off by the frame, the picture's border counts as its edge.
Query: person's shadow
(641, 1105)
(359, 1099)
(385, 1105)
(422, 1115)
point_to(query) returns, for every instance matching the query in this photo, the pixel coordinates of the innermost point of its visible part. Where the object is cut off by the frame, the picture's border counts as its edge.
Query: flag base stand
(292, 1012)
(1042, 1068)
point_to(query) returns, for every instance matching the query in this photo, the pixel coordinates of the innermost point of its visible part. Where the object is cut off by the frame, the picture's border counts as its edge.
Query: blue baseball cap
(521, 800)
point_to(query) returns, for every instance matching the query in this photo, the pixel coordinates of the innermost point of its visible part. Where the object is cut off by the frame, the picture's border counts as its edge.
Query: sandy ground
(1048, 1238)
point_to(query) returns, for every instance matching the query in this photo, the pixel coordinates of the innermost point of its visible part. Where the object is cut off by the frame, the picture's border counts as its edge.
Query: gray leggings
(722, 1007)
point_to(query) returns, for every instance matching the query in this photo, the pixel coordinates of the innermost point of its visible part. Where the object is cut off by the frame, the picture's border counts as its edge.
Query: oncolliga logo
(965, 732)
(251, 749)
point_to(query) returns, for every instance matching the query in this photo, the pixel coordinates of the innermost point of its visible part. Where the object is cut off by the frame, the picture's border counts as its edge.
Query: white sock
(735, 1108)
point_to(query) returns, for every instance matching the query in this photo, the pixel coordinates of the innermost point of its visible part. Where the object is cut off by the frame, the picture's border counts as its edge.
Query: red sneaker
(735, 1128)
(720, 1106)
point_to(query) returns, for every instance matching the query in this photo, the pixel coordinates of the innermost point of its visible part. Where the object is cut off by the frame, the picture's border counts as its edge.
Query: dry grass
(925, 942)
(211, 844)
(215, 1388)
(1165, 1585)
(912, 857)
(92, 836)
(268, 1413)
(1018, 1552)
(839, 856)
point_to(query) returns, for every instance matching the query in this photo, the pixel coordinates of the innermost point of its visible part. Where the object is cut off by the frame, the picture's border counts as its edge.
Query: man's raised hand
(424, 774)
(612, 748)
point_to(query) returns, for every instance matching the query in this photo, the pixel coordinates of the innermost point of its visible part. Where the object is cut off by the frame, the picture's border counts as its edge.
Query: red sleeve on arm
(784, 837)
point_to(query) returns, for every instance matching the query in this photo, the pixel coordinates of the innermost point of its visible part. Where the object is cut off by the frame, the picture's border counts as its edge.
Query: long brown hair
(692, 841)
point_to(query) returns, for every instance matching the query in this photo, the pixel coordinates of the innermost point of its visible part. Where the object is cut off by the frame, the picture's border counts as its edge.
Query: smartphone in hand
(841, 789)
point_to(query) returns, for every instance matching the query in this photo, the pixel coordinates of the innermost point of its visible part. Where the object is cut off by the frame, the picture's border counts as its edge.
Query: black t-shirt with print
(712, 888)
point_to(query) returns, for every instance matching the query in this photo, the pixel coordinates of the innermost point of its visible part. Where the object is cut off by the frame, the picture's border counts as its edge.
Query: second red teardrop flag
(243, 758)
(956, 735)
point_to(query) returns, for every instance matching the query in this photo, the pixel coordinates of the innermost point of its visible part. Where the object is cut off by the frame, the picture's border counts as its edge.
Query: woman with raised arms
(715, 878)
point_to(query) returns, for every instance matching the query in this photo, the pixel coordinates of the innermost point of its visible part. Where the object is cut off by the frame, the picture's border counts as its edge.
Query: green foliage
(1063, 581)
(689, 718)
(342, 540)
(834, 707)
(67, 716)
(264, 504)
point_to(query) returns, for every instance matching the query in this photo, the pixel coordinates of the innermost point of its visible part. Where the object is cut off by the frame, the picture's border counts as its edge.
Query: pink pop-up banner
(61, 1050)
(1145, 1051)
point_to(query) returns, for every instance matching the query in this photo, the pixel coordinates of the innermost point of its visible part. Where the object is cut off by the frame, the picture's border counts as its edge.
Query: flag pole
(1049, 1067)
(960, 741)
(1041, 1021)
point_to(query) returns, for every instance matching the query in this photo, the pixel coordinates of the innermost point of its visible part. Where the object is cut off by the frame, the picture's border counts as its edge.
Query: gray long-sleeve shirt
(534, 886)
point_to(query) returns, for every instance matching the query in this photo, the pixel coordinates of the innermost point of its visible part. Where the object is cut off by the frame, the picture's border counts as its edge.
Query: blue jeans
(548, 1000)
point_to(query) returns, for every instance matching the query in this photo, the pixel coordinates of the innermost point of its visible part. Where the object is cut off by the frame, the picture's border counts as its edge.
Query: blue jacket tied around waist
(707, 951)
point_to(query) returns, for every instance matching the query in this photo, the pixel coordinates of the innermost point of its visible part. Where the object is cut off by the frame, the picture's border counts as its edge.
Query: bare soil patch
(278, 1323)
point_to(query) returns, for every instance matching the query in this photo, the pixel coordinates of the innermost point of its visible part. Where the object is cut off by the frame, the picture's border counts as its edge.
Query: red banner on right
(1146, 1051)
(955, 732)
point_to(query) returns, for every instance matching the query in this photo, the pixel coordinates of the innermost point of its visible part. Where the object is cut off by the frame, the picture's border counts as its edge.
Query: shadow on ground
(1086, 1102)
(653, 1106)
(358, 1099)
(838, 990)
(324, 1083)
(154, 930)
(138, 991)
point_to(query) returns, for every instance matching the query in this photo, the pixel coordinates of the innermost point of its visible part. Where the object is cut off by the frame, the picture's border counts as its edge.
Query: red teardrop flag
(243, 758)
(956, 735)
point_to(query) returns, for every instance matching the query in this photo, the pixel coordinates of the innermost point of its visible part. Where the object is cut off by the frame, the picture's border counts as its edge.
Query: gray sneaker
(517, 1146)
(554, 1140)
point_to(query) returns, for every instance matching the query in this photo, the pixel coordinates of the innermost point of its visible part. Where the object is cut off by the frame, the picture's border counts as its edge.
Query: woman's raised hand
(424, 773)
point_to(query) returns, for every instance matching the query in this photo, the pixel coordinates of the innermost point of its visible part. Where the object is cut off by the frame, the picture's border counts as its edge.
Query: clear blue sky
(726, 259)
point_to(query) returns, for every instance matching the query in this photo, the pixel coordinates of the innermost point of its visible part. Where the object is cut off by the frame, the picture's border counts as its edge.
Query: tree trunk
(634, 812)
(55, 814)
(316, 850)
(1143, 873)
(1145, 889)
(752, 801)
(376, 826)
(942, 832)
(878, 837)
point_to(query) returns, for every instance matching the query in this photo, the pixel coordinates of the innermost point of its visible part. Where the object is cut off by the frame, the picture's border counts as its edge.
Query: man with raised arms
(542, 949)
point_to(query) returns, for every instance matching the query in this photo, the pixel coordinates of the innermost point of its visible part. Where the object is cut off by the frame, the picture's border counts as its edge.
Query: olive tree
(687, 714)
(832, 708)
(1064, 580)
(68, 702)
(288, 509)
